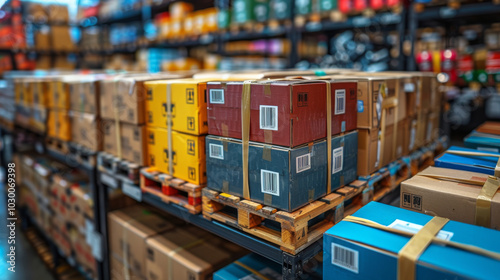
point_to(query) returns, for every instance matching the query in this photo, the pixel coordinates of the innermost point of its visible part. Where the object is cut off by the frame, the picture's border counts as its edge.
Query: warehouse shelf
(380, 19)
(252, 35)
(467, 10)
(124, 17)
(292, 264)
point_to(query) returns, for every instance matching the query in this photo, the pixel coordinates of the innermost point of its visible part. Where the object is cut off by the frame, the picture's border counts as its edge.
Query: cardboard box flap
(149, 225)
(443, 257)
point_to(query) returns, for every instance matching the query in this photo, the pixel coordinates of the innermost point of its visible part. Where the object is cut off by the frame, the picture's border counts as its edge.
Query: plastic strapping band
(266, 152)
(483, 201)
(253, 271)
(409, 254)
(177, 250)
(169, 129)
(245, 134)
(117, 125)
(478, 154)
(464, 247)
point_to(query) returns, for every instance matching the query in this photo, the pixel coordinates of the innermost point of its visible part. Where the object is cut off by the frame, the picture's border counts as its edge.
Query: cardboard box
(84, 95)
(129, 232)
(188, 105)
(86, 130)
(188, 154)
(445, 198)
(59, 124)
(132, 138)
(234, 271)
(432, 128)
(489, 128)
(280, 177)
(22, 88)
(40, 93)
(39, 118)
(375, 251)
(23, 115)
(61, 38)
(264, 74)
(375, 152)
(480, 164)
(58, 94)
(483, 142)
(281, 112)
(188, 253)
(120, 272)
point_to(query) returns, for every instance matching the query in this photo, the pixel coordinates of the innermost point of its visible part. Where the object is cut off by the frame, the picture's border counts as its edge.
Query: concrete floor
(28, 264)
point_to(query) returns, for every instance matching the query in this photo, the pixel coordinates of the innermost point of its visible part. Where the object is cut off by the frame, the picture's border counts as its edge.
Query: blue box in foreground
(258, 265)
(354, 251)
(478, 164)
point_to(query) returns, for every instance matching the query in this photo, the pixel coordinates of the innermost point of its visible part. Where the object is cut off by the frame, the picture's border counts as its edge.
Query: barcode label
(269, 182)
(216, 96)
(216, 151)
(268, 117)
(345, 257)
(337, 160)
(303, 163)
(339, 101)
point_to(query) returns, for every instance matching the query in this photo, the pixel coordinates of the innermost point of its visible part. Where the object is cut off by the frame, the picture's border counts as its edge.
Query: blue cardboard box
(483, 142)
(479, 164)
(281, 177)
(238, 269)
(354, 251)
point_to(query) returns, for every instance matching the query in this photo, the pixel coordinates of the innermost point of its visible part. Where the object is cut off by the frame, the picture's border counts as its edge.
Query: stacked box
(485, 138)
(481, 162)
(58, 121)
(353, 250)
(7, 106)
(189, 126)
(123, 113)
(287, 161)
(246, 267)
(148, 245)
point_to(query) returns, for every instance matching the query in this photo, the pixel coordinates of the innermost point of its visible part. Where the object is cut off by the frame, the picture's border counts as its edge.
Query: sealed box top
(436, 260)
(264, 74)
(481, 164)
(491, 142)
(490, 128)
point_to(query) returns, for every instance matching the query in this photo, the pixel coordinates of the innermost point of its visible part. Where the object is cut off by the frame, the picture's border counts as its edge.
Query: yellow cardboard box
(188, 105)
(38, 118)
(22, 89)
(59, 124)
(189, 148)
(40, 93)
(58, 95)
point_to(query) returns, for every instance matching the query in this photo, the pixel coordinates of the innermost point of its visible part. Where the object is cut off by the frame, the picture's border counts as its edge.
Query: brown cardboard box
(132, 138)
(84, 96)
(130, 231)
(403, 139)
(58, 94)
(40, 91)
(106, 93)
(58, 13)
(187, 253)
(61, 39)
(445, 198)
(490, 128)
(38, 118)
(86, 130)
(59, 124)
(373, 152)
(119, 272)
(42, 39)
(269, 74)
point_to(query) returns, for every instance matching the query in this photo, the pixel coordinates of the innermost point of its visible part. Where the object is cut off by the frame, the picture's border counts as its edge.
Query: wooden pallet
(171, 190)
(57, 145)
(82, 154)
(121, 169)
(291, 231)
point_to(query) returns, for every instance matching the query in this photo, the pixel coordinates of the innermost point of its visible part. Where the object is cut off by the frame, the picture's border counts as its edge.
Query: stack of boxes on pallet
(7, 106)
(148, 245)
(58, 122)
(58, 200)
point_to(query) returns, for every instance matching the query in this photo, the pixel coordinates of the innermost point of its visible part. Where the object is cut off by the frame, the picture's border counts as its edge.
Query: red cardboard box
(282, 112)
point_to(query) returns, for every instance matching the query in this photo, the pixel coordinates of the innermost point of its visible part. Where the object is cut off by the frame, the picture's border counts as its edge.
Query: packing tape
(224, 144)
(310, 146)
(409, 254)
(268, 136)
(310, 195)
(253, 271)
(117, 126)
(224, 130)
(266, 153)
(483, 201)
(245, 134)
(268, 199)
(169, 129)
(172, 253)
(478, 154)
(225, 186)
(267, 90)
(328, 136)
(464, 247)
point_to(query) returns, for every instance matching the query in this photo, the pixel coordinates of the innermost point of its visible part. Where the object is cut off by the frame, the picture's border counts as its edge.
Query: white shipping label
(339, 101)
(270, 183)
(409, 87)
(303, 163)
(379, 143)
(414, 228)
(268, 117)
(216, 96)
(346, 258)
(337, 160)
(216, 151)
(132, 191)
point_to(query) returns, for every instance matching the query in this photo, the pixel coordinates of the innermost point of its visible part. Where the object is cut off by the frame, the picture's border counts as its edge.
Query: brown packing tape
(224, 130)
(342, 180)
(224, 144)
(266, 153)
(328, 136)
(310, 195)
(268, 199)
(310, 146)
(268, 136)
(225, 186)
(479, 154)
(245, 134)
(267, 90)
(169, 129)
(409, 254)
(483, 202)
